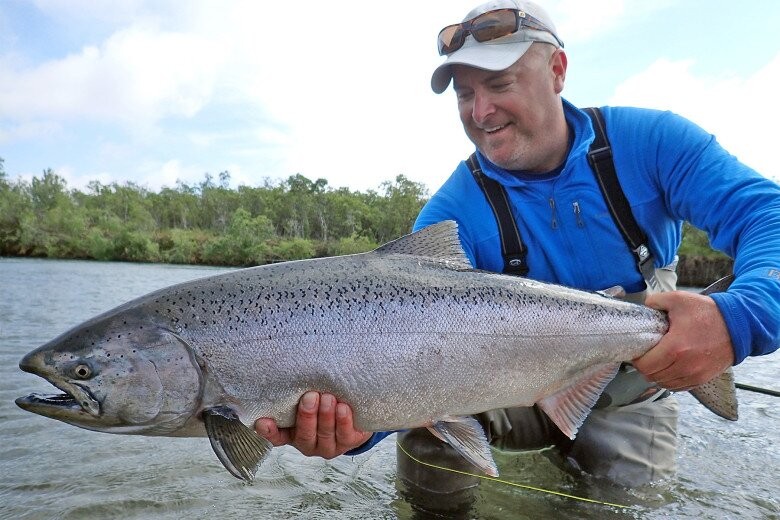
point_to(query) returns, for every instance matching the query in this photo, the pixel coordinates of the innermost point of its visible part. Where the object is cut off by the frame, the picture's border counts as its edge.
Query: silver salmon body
(409, 335)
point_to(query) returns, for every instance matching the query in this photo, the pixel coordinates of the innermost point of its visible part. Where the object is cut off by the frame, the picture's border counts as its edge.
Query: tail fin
(719, 395)
(719, 285)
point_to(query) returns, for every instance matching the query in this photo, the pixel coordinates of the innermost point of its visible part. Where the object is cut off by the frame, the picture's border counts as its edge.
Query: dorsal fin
(438, 241)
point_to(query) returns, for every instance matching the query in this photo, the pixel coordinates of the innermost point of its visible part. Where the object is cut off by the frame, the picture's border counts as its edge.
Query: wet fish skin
(410, 335)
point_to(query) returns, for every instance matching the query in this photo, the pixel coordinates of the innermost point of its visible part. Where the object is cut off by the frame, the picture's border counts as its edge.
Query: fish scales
(356, 325)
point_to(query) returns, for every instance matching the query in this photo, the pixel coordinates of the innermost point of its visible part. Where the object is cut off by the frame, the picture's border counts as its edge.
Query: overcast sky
(159, 91)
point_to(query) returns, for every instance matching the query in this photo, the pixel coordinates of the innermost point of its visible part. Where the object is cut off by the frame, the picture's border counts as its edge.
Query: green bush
(181, 246)
(135, 246)
(98, 246)
(351, 245)
(244, 243)
(293, 249)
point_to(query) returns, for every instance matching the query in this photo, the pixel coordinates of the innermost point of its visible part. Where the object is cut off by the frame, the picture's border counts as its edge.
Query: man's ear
(558, 64)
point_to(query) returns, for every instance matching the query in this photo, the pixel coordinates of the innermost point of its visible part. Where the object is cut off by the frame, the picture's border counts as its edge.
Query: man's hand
(697, 347)
(323, 427)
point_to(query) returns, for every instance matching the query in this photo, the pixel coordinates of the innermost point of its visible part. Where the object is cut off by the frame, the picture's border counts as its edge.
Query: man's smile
(494, 129)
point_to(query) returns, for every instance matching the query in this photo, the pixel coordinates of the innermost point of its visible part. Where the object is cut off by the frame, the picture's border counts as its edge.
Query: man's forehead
(463, 72)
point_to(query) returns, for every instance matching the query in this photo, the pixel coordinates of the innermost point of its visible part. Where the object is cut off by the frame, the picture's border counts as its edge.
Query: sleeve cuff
(370, 443)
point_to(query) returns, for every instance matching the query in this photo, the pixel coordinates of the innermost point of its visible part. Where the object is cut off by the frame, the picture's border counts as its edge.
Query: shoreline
(692, 270)
(701, 271)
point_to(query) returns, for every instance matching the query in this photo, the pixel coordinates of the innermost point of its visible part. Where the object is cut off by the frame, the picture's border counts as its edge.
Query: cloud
(29, 130)
(155, 91)
(581, 21)
(136, 77)
(736, 110)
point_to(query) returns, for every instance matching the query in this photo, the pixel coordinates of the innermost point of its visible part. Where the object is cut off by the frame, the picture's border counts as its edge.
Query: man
(508, 67)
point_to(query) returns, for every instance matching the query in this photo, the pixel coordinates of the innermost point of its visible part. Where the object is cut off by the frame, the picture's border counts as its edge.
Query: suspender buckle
(642, 252)
(600, 154)
(646, 265)
(516, 265)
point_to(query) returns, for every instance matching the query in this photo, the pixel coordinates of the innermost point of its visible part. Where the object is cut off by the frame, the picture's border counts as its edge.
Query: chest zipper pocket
(578, 214)
(554, 222)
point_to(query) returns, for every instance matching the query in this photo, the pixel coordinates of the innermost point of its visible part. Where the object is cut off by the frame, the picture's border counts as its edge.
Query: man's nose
(483, 107)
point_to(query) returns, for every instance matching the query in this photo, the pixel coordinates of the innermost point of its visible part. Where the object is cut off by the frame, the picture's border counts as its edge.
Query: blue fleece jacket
(670, 171)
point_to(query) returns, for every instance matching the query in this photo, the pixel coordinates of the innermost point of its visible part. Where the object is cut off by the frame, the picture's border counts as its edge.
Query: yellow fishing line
(522, 486)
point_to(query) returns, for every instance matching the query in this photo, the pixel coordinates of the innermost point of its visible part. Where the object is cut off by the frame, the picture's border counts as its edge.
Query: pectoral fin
(465, 434)
(239, 448)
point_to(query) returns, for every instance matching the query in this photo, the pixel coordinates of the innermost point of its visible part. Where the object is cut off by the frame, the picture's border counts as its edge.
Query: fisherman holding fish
(507, 66)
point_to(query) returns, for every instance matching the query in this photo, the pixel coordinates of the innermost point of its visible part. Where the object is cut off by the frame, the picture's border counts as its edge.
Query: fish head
(119, 374)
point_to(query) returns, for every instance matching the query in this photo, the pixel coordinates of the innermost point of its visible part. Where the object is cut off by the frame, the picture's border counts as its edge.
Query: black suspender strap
(512, 248)
(600, 158)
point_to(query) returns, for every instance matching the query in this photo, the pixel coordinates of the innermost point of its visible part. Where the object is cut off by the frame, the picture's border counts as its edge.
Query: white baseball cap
(500, 53)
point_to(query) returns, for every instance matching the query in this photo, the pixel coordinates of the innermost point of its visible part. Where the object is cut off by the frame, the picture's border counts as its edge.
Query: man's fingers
(652, 363)
(345, 431)
(326, 423)
(305, 438)
(323, 427)
(267, 428)
(347, 437)
(697, 346)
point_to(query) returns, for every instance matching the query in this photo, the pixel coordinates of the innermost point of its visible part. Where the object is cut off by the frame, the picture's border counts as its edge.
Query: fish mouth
(73, 400)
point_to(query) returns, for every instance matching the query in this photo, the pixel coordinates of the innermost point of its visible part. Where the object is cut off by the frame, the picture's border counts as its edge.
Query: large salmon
(409, 335)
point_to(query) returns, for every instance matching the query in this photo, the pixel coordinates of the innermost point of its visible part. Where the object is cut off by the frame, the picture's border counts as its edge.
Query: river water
(49, 469)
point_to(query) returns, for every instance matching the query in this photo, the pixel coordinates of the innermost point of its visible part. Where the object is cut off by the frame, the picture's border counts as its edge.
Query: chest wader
(631, 435)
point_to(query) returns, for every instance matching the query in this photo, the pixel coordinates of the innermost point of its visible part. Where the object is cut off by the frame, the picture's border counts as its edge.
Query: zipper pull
(578, 215)
(554, 222)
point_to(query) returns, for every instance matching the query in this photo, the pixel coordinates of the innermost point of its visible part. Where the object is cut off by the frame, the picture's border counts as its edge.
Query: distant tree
(175, 208)
(346, 214)
(224, 179)
(696, 242)
(130, 203)
(398, 208)
(14, 206)
(244, 243)
(217, 204)
(48, 191)
(48, 228)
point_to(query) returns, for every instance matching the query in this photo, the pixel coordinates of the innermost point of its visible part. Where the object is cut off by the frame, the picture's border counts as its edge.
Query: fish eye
(82, 371)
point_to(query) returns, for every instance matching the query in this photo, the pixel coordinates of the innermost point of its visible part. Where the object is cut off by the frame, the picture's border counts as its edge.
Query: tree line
(202, 223)
(209, 222)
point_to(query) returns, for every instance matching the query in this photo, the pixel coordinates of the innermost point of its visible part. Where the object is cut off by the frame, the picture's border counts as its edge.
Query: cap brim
(497, 56)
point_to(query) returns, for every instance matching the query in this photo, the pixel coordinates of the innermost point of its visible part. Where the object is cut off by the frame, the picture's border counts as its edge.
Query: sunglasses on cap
(489, 26)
